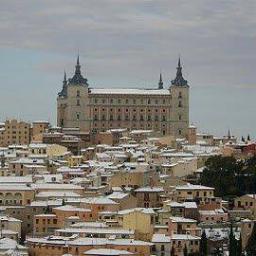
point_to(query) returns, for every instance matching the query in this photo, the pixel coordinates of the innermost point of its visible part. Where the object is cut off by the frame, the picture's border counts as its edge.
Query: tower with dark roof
(73, 101)
(179, 80)
(179, 90)
(160, 83)
(63, 92)
(77, 78)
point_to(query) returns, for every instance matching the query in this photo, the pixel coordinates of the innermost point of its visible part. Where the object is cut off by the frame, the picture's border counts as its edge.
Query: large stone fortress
(95, 109)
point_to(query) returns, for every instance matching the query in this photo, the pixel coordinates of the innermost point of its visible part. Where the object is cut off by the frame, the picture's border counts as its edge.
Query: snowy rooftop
(86, 241)
(108, 252)
(162, 238)
(189, 186)
(144, 210)
(71, 208)
(181, 219)
(130, 91)
(150, 189)
(98, 200)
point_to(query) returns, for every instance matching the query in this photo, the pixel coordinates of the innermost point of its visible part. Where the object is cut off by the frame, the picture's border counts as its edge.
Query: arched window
(77, 93)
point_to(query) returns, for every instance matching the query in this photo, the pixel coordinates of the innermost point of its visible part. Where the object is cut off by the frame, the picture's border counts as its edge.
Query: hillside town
(67, 192)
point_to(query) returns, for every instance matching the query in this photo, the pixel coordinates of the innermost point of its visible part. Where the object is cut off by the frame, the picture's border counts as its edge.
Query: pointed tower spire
(229, 134)
(65, 78)
(78, 78)
(64, 86)
(179, 80)
(78, 71)
(160, 83)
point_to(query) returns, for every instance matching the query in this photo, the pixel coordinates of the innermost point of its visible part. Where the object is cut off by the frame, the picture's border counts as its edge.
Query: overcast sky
(125, 43)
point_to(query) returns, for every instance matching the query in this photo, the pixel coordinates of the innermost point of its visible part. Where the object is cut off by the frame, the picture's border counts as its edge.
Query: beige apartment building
(39, 127)
(94, 109)
(14, 132)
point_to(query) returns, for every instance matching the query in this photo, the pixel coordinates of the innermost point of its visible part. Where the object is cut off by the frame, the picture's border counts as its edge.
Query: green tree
(218, 252)
(239, 246)
(232, 242)
(224, 170)
(231, 177)
(251, 246)
(203, 244)
(185, 251)
(173, 251)
(47, 210)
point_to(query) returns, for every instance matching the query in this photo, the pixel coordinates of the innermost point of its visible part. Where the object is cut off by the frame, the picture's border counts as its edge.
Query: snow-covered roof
(89, 225)
(51, 186)
(71, 208)
(98, 200)
(117, 195)
(162, 238)
(107, 252)
(56, 194)
(95, 230)
(181, 219)
(83, 241)
(130, 91)
(16, 179)
(143, 210)
(150, 189)
(189, 186)
(14, 187)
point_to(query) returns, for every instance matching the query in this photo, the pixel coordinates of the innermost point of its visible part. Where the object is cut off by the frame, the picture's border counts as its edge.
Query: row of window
(54, 221)
(127, 118)
(16, 127)
(127, 101)
(14, 137)
(127, 110)
(40, 151)
(15, 132)
(179, 104)
(162, 248)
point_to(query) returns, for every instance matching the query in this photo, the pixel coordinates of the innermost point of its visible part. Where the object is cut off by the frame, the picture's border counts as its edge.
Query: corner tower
(179, 90)
(73, 101)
